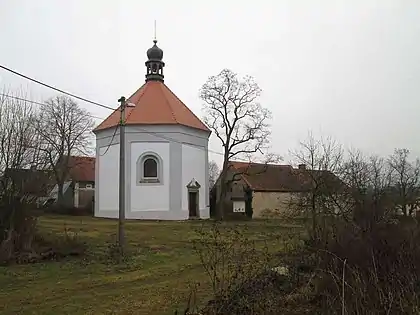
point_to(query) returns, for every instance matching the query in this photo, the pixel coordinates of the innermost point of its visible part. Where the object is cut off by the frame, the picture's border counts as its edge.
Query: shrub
(370, 266)
(260, 294)
(21, 242)
(17, 229)
(234, 265)
(54, 247)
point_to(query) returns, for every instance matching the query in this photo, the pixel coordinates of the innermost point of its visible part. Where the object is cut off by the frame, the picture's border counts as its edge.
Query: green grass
(155, 281)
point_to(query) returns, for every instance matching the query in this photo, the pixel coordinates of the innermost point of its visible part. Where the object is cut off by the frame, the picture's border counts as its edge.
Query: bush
(54, 247)
(246, 278)
(238, 270)
(17, 229)
(21, 242)
(68, 244)
(367, 265)
(375, 271)
(260, 294)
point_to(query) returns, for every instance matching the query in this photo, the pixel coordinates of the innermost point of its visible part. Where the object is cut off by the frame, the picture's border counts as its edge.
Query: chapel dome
(155, 53)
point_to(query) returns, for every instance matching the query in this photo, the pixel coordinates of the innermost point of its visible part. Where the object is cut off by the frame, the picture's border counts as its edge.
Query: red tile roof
(273, 177)
(155, 104)
(82, 168)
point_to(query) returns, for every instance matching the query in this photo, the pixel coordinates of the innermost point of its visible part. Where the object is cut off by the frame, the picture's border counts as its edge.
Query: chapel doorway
(193, 190)
(192, 204)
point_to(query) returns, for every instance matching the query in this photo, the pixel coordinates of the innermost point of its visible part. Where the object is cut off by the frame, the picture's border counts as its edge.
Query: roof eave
(97, 129)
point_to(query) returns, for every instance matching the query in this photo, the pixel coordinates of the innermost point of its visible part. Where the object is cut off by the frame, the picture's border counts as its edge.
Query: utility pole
(121, 212)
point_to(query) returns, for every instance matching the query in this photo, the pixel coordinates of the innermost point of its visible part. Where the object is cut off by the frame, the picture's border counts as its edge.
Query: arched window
(149, 169)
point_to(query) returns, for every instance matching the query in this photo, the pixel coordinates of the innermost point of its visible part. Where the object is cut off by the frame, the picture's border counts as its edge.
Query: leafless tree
(364, 182)
(324, 153)
(19, 142)
(65, 130)
(235, 116)
(349, 250)
(405, 179)
(321, 160)
(214, 172)
(19, 151)
(368, 181)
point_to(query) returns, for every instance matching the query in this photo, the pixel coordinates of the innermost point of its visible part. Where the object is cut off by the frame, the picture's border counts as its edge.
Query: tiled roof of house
(273, 177)
(155, 104)
(82, 168)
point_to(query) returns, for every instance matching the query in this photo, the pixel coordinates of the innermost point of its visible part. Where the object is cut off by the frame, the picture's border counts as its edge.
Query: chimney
(302, 166)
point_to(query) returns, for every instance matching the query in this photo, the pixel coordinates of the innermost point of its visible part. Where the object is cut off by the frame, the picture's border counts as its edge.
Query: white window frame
(150, 181)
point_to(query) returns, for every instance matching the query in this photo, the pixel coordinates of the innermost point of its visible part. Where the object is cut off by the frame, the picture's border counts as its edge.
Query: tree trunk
(221, 200)
(314, 215)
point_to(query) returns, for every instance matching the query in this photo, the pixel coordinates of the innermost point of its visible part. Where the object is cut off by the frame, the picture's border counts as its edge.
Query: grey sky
(348, 69)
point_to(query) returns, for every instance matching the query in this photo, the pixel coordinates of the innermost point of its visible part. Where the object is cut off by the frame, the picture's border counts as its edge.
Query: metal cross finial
(155, 30)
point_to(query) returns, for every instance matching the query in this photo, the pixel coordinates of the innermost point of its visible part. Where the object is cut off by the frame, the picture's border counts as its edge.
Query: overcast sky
(347, 69)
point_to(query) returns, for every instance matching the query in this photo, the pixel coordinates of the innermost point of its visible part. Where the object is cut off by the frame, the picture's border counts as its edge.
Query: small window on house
(149, 169)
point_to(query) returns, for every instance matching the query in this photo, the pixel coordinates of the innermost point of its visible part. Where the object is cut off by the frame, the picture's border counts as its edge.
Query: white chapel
(166, 155)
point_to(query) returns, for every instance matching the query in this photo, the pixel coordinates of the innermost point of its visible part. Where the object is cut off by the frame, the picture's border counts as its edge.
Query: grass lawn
(155, 281)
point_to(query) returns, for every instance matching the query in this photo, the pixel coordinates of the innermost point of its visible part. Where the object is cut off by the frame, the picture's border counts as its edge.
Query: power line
(176, 141)
(56, 89)
(162, 137)
(116, 127)
(110, 143)
(38, 103)
(170, 140)
(94, 103)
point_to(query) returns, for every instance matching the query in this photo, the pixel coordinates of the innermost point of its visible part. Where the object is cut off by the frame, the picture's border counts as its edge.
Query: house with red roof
(271, 188)
(166, 154)
(40, 185)
(79, 187)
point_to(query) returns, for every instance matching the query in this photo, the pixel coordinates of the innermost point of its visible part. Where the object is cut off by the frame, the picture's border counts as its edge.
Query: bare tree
(64, 128)
(19, 142)
(19, 185)
(214, 172)
(234, 115)
(405, 179)
(364, 182)
(320, 160)
(350, 249)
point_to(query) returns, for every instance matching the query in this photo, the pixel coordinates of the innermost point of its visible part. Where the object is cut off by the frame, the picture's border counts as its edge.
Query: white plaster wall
(109, 168)
(150, 197)
(193, 166)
